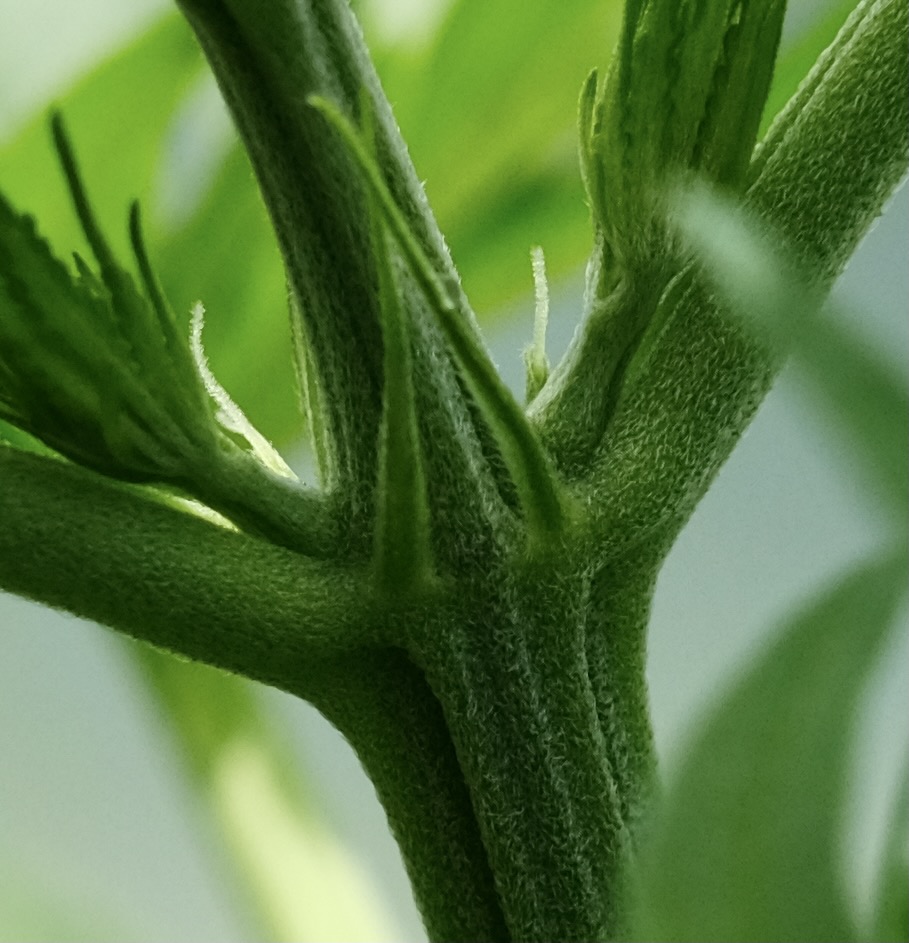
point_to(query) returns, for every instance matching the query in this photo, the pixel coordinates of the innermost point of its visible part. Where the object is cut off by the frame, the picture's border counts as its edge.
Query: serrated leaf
(84, 367)
(685, 92)
(745, 845)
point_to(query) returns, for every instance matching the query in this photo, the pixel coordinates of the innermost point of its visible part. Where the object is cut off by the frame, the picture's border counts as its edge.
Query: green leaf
(867, 404)
(121, 111)
(224, 254)
(101, 373)
(891, 918)
(402, 554)
(745, 845)
(87, 372)
(685, 92)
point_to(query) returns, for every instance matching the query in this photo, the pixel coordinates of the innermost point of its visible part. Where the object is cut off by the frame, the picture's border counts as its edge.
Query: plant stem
(517, 698)
(835, 154)
(617, 616)
(829, 164)
(104, 551)
(383, 706)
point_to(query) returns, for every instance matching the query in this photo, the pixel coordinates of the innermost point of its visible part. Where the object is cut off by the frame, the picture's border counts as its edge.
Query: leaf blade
(745, 847)
(891, 920)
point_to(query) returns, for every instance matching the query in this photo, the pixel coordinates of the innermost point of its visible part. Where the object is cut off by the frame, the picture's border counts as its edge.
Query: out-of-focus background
(99, 827)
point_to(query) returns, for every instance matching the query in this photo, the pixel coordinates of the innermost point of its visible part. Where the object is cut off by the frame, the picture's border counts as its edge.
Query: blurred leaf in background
(747, 843)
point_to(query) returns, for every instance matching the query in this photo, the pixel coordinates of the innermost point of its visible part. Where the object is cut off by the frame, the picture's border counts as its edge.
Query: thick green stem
(615, 636)
(834, 156)
(514, 686)
(837, 157)
(381, 703)
(75, 540)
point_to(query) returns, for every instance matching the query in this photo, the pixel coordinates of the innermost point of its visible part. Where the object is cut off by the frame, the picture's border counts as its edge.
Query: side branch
(838, 150)
(825, 176)
(75, 541)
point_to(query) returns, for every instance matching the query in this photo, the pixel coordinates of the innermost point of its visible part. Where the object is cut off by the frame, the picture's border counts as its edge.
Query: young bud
(684, 93)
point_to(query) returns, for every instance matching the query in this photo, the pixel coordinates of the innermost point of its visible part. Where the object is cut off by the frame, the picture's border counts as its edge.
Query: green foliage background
(100, 836)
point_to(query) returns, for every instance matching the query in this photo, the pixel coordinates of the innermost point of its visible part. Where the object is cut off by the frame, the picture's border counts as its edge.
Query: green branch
(75, 541)
(382, 704)
(683, 94)
(838, 150)
(538, 488)
(695, 385)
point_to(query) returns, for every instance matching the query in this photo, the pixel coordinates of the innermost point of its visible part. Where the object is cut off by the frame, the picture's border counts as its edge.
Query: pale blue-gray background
(95, 816)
